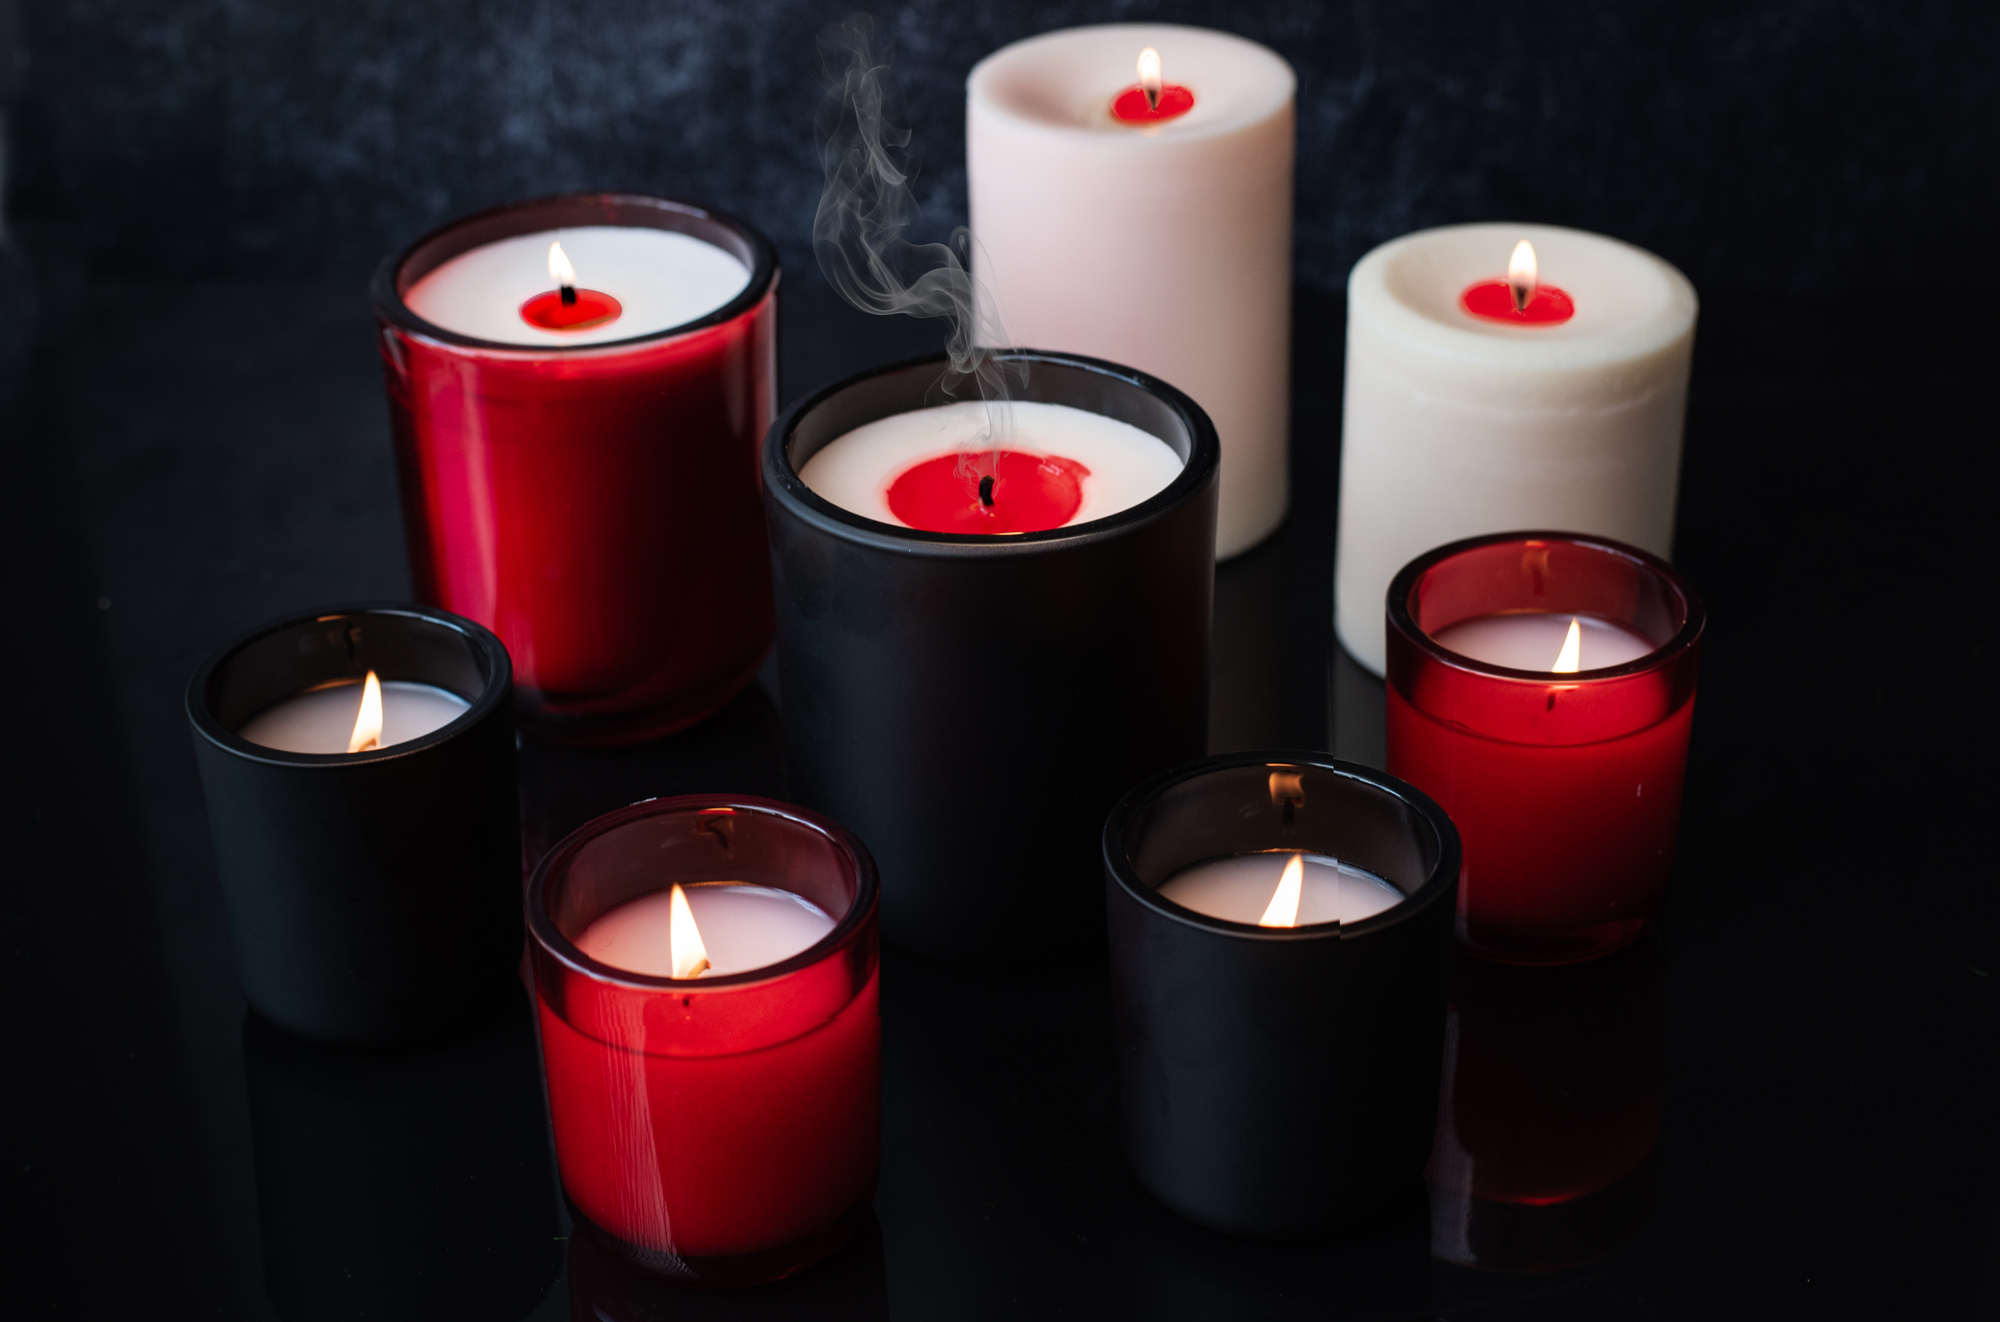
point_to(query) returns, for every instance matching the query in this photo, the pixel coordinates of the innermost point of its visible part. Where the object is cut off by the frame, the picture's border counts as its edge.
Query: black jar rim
(490, 651)
(1694, 615)
(1439, 886)
(543, 930)
(733, 235)
(1201, 468)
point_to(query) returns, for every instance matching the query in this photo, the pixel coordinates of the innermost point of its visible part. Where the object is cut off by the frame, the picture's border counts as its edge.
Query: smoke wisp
(865, 210)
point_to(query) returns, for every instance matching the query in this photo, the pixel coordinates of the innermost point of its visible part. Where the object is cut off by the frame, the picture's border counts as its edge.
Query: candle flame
(690, 956)
(368, 721)
(1572, 653)
(560, 270)
(1522, 274)
(1150, 81)
(1284, 910)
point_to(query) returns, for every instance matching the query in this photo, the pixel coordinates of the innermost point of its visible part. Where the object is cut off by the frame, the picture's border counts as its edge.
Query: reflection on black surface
(409, 1184)
(1357, 710)
(1550, 1117)
(850, 1286)
(739, 750)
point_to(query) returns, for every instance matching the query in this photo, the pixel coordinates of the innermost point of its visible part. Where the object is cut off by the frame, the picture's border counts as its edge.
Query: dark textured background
(1794, 145)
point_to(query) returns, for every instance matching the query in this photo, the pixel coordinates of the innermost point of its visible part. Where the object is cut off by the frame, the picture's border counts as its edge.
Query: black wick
(569, 295)
(986, 490)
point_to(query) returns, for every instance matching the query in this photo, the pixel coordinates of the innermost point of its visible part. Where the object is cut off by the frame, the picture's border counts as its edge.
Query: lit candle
(932, 469)
(1280, 890)
(1556, 643)
(640, 281)
(1499, 377)
(710, 927)
(353, 718)
(1155, 233)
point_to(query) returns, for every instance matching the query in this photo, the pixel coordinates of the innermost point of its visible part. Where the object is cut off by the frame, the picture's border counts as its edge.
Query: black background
(196, 440)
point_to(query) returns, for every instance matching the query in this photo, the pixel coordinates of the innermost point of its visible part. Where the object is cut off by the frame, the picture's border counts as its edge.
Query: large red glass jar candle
(720, 1129)
(578, 460)
(1564, 783)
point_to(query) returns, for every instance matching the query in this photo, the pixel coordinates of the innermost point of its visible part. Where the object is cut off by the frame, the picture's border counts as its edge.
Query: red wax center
(551, 311)
(1131, 106)
(1494, 300)
(1030, 492)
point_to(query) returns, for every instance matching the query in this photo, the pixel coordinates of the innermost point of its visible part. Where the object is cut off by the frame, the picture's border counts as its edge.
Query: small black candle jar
(971, 706)
(1279, 1082)
(373, 898)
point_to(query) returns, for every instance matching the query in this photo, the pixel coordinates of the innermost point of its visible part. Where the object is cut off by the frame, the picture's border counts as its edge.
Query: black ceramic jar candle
(1279, 1081)
(373, 897)
(972, 705)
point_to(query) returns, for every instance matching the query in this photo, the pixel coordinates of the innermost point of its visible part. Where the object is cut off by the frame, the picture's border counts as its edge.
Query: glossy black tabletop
(1780, 1104)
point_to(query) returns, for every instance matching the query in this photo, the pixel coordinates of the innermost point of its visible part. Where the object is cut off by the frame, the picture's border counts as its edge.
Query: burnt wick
(569, 296)
(986, 490)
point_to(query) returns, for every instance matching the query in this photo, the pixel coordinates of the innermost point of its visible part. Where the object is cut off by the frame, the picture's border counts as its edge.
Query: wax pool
(322, 721)
(1239, 889)
(743, 927)
(1535, 641)
(1120, 465)
(656, 279)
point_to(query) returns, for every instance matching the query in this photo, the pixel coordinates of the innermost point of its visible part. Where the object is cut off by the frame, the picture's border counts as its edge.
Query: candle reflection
(1550, 1111)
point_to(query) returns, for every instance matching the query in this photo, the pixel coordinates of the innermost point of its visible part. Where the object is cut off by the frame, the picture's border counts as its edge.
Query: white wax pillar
(1535, 641)
(661, 278)
(1239, 889)
(1126, 465)
(1166, 247)
(1455, 425)
(742, 927)
(322, 721)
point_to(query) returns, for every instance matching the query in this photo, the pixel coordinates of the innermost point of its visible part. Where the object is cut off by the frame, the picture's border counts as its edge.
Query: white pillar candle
(1457, 425)
(1541, 642)
(741, 927)
(1241, 889)
(322, 721)
(1123, 464)
(1164, 246)
(660, 278)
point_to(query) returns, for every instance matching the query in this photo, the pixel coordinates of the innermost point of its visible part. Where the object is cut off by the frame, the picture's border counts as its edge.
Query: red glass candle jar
(721, 1130)
(595, 503)
(1565, 786)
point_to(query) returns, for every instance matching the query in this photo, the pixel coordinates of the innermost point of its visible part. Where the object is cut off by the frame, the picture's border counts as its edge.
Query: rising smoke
(865, 209)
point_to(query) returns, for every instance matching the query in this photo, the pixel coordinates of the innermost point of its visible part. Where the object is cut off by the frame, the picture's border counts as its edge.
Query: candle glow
(1522, 274)
(368, 719)
(1572, 650)
(1284, 910)
(684, 938)
(1149, 76)
(560, 269)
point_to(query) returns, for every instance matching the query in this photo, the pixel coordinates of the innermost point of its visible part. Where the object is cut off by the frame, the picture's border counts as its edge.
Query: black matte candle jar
(1279, 1082)
(972, 705)
(373, 898)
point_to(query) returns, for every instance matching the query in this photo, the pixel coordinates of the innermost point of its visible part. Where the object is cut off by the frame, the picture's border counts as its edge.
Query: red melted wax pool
(1131, 106)
(592, 308)
(1030, 492)
(1494, 300)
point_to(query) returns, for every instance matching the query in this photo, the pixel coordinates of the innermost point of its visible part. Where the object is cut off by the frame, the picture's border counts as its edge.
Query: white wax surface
(744, 927)
(1126, 465)
(1167, 247)
(1455, 425)
(1239, 889)
(1533, 642)
(322, 721)
(662, 278)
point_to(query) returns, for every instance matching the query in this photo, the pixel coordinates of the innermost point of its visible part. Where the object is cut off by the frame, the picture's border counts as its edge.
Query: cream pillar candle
(1165, 245)
(1457, 424)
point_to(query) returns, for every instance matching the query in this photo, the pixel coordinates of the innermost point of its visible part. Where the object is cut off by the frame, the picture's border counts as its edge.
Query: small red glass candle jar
(1566, 786)
(595, 503)
(721, 1130)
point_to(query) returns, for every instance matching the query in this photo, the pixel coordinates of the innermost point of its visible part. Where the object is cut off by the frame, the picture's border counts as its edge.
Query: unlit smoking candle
(1054, 466)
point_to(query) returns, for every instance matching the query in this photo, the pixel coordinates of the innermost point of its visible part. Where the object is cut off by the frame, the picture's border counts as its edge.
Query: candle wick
(1153, 97)
(1520, 293)
(569, 296)
(986, 490)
